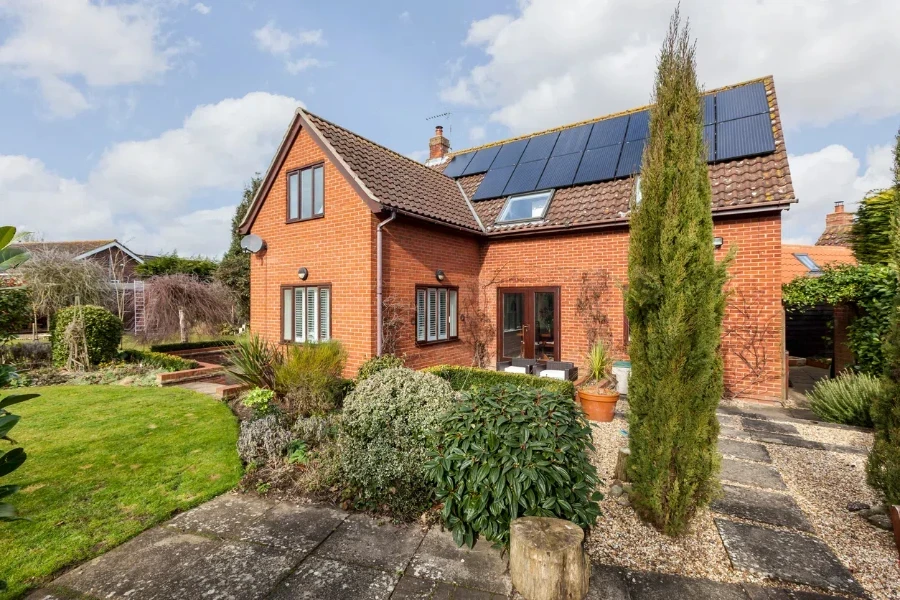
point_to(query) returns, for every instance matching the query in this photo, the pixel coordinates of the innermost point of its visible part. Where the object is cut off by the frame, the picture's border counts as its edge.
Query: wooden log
(546, 559)
(894, 511)
(622, 464)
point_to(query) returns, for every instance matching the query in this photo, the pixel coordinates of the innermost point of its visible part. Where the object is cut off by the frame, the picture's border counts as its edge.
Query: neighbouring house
(492, 244)
(819, 334)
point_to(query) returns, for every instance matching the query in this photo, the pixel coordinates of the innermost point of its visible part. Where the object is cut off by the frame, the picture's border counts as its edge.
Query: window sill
(322, 216)
(437, 342)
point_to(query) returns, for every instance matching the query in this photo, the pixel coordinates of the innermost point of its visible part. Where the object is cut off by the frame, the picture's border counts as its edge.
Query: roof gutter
(379, 309)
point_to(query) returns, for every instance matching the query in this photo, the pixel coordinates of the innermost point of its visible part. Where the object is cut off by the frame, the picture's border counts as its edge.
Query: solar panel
(630, 160)
(458, 164)
(482, 160)
(539, 147)
(743, 101)
(609, 132)
(744, 137)
(572, 140)
(709, 138)
(525, 177)
(638, 126)
(493, 183)
(560, 171)
(709, 109)
(598, 164)
(509, 154)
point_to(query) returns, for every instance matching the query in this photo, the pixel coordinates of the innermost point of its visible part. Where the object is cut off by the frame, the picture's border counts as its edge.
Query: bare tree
(396, 317)
(746, 336)
(182, 304)
(479, 326)
(118, 270)
(592, 292)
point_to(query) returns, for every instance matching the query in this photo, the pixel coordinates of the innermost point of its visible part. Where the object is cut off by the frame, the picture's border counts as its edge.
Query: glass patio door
(528, 323)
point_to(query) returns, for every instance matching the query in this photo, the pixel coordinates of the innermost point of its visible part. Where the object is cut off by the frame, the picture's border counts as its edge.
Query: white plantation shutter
(420, 315)
(432, 314)
(442, 314)
(299, 314)
(287, 309)
(453, 302)
(312, 334)
(324, 314)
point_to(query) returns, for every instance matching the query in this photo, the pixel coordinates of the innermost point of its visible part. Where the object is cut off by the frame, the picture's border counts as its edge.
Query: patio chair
(517, 365)
(555, 369)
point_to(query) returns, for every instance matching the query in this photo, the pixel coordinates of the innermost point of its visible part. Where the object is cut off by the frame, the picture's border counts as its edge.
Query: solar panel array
(736, 124)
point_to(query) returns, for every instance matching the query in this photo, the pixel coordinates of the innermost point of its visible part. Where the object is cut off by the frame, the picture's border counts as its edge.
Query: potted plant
(598, 394)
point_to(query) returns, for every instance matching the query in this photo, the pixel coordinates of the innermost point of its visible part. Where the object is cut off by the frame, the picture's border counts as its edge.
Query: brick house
(504, 235)
(114, 256)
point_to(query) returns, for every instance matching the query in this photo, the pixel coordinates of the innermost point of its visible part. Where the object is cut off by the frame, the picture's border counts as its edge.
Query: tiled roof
(791, 268)
(397, 181)
(76, 247)
(836, 235)
(742, 183)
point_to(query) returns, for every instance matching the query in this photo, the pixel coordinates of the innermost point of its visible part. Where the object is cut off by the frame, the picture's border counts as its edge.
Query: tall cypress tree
(883, 468)
(675, 304)
(234, 270)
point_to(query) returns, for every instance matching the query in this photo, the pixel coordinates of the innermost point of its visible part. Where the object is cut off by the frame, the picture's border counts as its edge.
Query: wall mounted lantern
(717, 242)
(440, 275)
(303, 273)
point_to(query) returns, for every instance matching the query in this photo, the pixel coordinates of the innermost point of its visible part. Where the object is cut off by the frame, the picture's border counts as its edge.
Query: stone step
(753, 474)
(768, 426)
(764, 507)
(744, 450)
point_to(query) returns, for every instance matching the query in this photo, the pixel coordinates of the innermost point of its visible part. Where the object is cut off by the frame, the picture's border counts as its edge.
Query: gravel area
(823, 483)
(833, 435)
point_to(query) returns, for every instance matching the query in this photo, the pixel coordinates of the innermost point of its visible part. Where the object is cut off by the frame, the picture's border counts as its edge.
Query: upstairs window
(808, 262)
(306, 313)
(436, 314)
(527, 207)
(306, 193)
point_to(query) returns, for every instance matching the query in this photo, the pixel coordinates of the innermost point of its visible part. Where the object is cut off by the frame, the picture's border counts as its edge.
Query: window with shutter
(312, 329)
(436, 314)
(324, 314)
(299, 315)
(442, 314)
(452, 315)
(432, 314)
(420, 315)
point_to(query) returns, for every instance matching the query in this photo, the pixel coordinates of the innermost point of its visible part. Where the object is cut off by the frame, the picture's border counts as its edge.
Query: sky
(142, 120)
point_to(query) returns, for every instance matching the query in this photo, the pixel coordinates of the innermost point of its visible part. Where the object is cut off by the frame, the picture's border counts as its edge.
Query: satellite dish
(253, 243)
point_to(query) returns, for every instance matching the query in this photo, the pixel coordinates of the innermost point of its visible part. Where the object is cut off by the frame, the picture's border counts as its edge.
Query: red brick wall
(338, 249)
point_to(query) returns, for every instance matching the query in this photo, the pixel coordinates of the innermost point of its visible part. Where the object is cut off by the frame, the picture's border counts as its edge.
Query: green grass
(105, 463)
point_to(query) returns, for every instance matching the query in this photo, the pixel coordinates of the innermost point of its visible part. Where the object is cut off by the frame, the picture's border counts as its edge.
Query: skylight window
(527, 207)
(808, 262)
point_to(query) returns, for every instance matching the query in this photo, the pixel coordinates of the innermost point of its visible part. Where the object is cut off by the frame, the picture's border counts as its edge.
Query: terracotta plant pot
(598, 404)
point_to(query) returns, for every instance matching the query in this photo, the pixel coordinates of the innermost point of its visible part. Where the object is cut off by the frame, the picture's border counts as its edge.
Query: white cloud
(146, 190)
(555, 62)
(405, 17)
(201, 8)
(418, 155)
(278, 42)
(64, 42)
(829, 175)
(301, 64)
(477, 133)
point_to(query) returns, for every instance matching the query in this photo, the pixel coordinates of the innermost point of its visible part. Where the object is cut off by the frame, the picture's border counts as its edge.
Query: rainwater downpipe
(379, 337)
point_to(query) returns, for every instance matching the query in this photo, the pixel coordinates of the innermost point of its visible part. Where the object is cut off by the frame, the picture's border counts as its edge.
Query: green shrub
(253, 360)
(15, 310)
(376, 364)
(103, 331)
(509, 451)
(263, 441)
(191, 345)
(260, 401)
(846, 399)
(316, 429)
(387, 427)
(310, 377)
(157, 360)
(469, 378)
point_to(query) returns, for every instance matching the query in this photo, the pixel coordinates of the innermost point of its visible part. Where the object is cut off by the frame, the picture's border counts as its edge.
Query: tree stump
(894, 511)
(546, 559)
(622, 464)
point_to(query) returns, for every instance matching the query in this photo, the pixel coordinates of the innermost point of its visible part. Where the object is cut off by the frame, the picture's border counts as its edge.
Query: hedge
(468, 378)
(166, 362)
(190, 345)
(103, 331)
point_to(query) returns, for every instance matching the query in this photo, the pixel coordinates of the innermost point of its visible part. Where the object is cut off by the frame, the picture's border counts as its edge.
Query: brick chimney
(838, 217)
(438, 146)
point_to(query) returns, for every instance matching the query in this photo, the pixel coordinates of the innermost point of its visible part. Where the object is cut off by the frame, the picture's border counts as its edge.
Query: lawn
(105, 463)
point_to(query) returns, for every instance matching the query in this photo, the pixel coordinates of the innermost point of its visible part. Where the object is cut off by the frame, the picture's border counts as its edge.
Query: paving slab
(134, 569)
(481, 567)
(234, 570)
(786, 440)
(767, 426)
(786, 556)
(226, 516)
(325, 579)
(763, 507)
(362, 540)
(414, 588)
(659, 586)
(758, 592)
(755, 474)
(298, 527)
(731, 432)
(607, 583)
(745, 450)
(46, 595)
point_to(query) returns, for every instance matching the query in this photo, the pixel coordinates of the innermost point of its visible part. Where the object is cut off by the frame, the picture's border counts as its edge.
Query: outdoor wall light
(303, 273)
(440, 275)
(717, 242)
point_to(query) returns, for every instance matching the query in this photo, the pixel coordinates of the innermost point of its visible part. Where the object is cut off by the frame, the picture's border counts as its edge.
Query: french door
(528, 323)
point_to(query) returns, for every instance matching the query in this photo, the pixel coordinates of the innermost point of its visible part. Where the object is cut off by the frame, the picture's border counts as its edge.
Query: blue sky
(140, 119)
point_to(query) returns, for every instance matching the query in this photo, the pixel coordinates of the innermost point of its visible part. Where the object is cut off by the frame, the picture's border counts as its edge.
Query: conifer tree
(675, 304)
(883, 468)
(234, 270)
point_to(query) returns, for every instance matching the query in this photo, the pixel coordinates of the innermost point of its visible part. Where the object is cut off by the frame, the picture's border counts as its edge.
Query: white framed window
(306, 313)
(527, 207)
(436, 313)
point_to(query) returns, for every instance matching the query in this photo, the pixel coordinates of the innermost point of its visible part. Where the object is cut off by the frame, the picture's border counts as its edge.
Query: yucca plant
(253, 360)
(846, 399)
